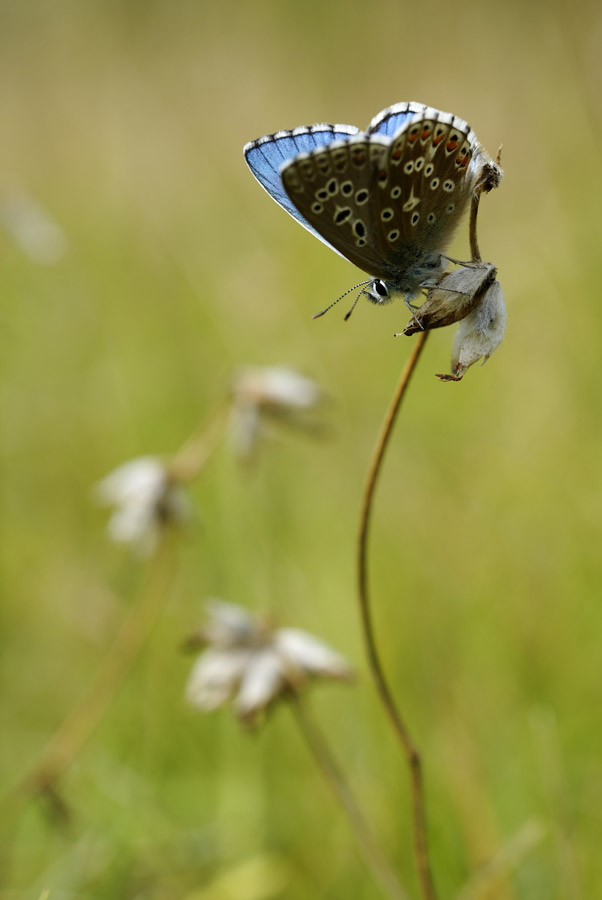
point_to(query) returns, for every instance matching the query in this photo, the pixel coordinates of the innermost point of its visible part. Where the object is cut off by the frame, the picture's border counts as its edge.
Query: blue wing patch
(390, 120)
(266, 156)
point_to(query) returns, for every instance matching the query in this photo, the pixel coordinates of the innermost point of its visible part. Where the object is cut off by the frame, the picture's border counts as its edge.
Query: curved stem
(490, 178)
(329, 767)
(79, 725)
(76, 729)
(397, 722)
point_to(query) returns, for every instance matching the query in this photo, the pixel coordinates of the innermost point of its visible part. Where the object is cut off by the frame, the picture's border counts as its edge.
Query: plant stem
(77, 728)
(329, 767)
(490, 178)
(472, 228)
(497, 870)
(196, 450)
(410, 752)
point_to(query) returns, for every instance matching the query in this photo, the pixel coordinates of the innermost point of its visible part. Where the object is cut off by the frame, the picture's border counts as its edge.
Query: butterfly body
(387, 199)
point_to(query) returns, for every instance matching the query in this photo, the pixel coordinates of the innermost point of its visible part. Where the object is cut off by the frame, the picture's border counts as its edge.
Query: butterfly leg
(413, 309)
(468, 265)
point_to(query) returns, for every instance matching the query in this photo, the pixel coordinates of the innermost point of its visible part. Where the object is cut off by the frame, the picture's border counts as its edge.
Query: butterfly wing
(389, 204)
(389, 121)
(424, 188)
(333, 187)
(388, 199)
(266, 155)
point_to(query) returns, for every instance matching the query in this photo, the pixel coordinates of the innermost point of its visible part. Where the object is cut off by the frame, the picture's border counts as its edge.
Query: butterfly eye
(378, 292)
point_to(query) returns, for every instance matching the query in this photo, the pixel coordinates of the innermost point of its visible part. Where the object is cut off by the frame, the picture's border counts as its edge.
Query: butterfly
(387, 199)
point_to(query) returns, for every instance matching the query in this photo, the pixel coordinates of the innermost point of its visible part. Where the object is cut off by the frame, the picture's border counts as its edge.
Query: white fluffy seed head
(250, 664)
(481, 332)
(144, 500)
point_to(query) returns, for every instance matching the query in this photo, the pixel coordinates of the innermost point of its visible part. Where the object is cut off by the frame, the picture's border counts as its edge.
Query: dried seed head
(479, 333)
(252, 664)
(456, 295)
(263, 395)
(144, 499)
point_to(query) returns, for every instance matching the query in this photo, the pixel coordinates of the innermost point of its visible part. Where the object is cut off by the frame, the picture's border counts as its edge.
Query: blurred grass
(125, 121)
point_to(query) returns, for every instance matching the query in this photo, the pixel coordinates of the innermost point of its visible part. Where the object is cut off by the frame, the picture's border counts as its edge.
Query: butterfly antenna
(355, 301)
(334, 303)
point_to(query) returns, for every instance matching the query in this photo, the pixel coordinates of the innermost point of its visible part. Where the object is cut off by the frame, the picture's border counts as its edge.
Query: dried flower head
(145, 500)
(479, 333)
(253, 664)
(456, 295)
(261, 396)
(472, 296)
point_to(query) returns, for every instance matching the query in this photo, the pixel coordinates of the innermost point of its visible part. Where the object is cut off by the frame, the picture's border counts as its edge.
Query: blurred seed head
(264, 396)
(251, 664)
(145, 500)
(32, 227)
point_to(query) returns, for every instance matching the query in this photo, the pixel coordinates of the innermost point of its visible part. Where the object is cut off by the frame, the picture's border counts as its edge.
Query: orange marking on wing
(451, 145)
(438, 138)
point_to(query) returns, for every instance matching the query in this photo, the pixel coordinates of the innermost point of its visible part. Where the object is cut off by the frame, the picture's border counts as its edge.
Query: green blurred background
(125, 121)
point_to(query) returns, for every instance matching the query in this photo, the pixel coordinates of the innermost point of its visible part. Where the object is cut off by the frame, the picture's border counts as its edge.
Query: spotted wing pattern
(387, 203)
(266, 155)
(334, 188)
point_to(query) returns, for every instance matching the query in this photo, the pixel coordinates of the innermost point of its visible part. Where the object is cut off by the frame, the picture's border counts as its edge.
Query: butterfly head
(379, 291)
(376, 290)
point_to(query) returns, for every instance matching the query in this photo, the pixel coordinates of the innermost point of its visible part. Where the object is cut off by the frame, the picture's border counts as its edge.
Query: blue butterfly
(387, 199)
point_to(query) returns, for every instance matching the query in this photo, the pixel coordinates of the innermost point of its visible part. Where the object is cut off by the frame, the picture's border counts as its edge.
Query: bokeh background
(161, 267)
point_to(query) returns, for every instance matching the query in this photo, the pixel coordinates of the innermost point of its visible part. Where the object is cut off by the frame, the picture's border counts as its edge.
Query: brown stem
(186, 464)
(490, 178)
(74, 732)
(329, 767)
(472, 228)
(399, 727)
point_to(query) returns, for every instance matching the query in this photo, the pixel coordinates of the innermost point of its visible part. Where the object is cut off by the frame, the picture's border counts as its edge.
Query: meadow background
(125, 121)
